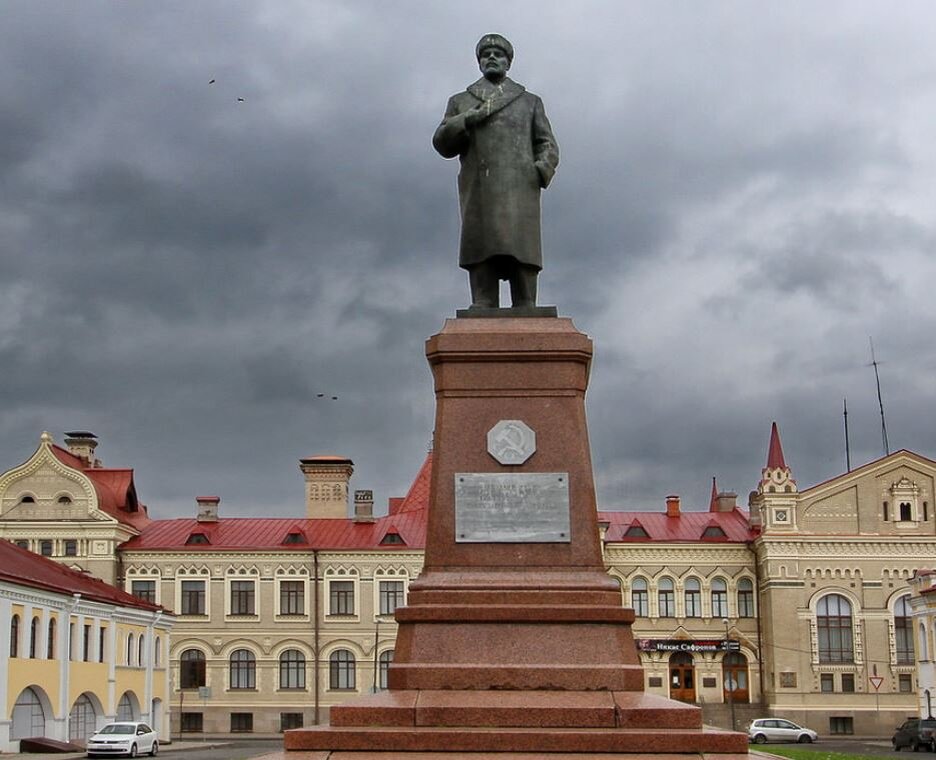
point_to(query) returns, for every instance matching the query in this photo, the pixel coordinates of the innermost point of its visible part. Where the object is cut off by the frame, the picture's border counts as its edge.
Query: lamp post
(726, 673)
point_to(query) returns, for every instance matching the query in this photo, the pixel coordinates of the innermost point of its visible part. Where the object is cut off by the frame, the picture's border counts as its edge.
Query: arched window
(383, 668)
(14, 636)
(50, 645)
(903, 631)
(834, 628)
(125, 709)
(191, 669)
(28, 717)
(666, 597)
(141, 651)
(745, 598)
(82, 720)
(34, 638)
(719, 598)
(292, 669)
(157, 654)
(341, 670)
(693, 597)
(640, 597)
(130, 649)
(243, 669)
(923, 646)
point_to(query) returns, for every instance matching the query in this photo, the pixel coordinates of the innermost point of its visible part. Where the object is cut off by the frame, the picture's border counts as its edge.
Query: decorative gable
(43, 488)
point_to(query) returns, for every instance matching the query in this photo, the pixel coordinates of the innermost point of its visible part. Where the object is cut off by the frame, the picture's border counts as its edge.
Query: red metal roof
(115, 489)
(689, 526)
(23, 567)
(775, 459)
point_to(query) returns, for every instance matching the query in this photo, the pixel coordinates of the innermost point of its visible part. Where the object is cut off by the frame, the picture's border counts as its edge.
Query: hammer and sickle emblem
(510, 440)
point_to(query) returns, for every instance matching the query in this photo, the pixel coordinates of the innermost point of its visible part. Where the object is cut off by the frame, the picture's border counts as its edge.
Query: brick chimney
(726, 501)
(672, 506)
(326, 485)
(207, 508)
(363, 506)
(82, 444)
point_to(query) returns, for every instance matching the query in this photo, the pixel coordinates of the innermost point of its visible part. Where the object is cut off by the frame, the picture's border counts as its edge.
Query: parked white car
(124, 738)
(779, 730)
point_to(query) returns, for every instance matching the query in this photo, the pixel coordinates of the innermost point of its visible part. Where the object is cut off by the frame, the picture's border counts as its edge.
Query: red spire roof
(775, 459)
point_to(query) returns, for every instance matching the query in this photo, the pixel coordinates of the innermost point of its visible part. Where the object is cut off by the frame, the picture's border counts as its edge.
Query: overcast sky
(746, 194)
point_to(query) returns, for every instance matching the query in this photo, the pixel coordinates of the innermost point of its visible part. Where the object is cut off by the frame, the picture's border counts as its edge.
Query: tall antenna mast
(877, 379)
(847, 448)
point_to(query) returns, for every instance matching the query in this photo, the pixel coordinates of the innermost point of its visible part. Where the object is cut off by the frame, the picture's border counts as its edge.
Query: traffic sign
(876, 681)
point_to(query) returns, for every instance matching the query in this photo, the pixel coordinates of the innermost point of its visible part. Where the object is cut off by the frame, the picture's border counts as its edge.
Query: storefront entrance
(682, 677)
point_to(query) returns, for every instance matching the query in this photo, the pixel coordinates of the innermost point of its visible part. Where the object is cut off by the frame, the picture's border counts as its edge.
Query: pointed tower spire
(713, 501)
(775, 460)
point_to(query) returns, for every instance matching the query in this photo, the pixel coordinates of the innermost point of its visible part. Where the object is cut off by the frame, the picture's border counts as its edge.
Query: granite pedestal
(513, 646)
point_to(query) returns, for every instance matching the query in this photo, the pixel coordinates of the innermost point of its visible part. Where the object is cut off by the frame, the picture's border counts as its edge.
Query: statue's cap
(494, 40)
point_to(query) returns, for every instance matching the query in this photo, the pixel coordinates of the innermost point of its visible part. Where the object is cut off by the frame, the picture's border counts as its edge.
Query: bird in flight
(212, 81)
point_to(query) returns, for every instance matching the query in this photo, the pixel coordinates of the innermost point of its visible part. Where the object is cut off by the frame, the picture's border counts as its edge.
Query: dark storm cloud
(741, 203)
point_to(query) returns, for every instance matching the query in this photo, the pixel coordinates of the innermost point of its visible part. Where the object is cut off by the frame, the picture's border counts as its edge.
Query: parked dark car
(916, 733)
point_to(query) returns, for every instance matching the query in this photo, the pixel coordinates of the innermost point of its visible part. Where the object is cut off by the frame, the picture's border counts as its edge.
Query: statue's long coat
(505, 161)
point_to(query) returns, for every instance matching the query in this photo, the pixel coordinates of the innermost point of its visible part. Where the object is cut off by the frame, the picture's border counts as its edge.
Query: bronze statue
(508, 155)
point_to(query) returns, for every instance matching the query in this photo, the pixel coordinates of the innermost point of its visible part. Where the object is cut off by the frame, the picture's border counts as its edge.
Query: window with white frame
(391, 594)
(243, 597)
(291, 597)
(745, 598)
(719, 598)
(341, 597)
(640, 597)
(292, 669)
(192, 599)
(243, 669)
(341, 670)
(903, 631)
(693, 597)
(666, 597)
(834, 629)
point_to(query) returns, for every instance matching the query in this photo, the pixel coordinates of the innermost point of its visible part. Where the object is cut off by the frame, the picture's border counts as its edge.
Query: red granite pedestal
(513, 647)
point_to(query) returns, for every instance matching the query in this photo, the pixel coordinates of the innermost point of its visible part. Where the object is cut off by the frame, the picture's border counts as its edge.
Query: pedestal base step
(516, 709)
(538, 740)
(376, 755)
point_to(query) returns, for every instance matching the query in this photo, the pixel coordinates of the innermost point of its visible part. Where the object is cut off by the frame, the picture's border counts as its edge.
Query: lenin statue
(508, 155)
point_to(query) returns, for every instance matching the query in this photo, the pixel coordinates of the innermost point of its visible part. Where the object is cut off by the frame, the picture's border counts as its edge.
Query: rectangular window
(667, 603)
(693, 604)
(842, 725)
(192, 723)
(86, 644)
(827, 682)
(719, 604)
(241, 723)
(290, 720)
(391, 596)
(242, 598)
(341, 598)
(848, 682)
(745, 603)
(905, 683)
(903, 634)
(71, 641)
(640, 602)
(292, 598)
(193, 599)
(145, 590)
(102, 632)
(45, 548)
(71, 548)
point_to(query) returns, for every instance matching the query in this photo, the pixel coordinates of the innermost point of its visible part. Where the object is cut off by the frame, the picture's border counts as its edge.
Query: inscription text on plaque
(530, 507)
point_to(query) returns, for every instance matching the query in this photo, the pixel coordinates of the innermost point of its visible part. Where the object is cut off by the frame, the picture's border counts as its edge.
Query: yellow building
(75, 653)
